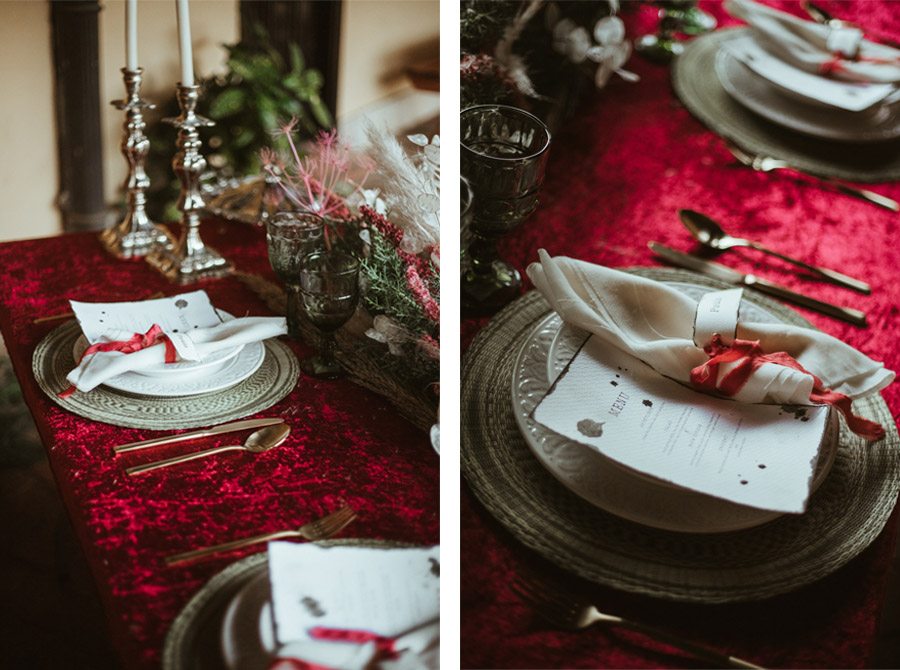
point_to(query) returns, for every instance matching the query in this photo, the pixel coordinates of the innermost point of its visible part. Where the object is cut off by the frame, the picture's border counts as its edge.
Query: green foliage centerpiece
(389, 218)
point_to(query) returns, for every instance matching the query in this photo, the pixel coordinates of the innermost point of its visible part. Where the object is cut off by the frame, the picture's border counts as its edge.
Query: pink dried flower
(314, 183)
(420, 292)
(381, 224)
(430, 346)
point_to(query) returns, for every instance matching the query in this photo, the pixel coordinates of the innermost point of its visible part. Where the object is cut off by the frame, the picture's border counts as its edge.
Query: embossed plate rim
(693, 507)
(272, 381)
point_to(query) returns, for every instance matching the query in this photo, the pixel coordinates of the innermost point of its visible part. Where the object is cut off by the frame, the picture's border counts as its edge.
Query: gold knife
(206, 432)
(726, 274)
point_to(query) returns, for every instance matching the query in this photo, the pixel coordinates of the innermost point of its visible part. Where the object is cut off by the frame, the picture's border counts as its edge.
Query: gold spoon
(711, 235)
(258, 442)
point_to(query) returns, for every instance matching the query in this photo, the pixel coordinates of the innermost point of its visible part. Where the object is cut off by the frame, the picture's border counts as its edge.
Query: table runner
(346, 444)
(618, 172)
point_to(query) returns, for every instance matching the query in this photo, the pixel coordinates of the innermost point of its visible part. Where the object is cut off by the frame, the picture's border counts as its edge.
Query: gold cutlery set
(269, 432)
(712, 236)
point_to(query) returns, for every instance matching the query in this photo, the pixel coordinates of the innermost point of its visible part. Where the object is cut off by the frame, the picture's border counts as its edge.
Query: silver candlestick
(191, 260)
(136, 235)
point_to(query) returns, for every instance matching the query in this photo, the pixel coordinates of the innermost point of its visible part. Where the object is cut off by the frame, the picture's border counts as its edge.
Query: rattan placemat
(195, 637)
(698, 87)
(274, 379)
(844, 515)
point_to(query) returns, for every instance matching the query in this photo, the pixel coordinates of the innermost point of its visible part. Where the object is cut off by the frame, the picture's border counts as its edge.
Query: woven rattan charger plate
(696, 84)
(194, 639)
(844, 516)
(274, 379)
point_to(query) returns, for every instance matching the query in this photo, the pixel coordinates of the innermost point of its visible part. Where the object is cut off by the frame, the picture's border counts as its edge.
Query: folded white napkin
(196, 344)
(667, 330)
(817, 48)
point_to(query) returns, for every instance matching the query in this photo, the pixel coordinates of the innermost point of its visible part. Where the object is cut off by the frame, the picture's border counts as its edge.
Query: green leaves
(228, 102)
(260, 91)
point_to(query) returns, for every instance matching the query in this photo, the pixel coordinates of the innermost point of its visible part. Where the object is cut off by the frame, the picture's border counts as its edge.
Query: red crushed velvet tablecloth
(617, 174)
(346, 444)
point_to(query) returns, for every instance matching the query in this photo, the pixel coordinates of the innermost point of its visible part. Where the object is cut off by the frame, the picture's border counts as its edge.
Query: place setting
(525, 452)
(119, 363)
(787, 90)
(350, 604)
(237, 391)
(677, 438)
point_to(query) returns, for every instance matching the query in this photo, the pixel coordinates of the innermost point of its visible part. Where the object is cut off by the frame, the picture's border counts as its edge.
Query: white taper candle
(184, 43)
(131, 34)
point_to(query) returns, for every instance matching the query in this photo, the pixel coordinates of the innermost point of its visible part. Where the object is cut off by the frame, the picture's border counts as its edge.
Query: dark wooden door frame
(76, 62)
(315, 25)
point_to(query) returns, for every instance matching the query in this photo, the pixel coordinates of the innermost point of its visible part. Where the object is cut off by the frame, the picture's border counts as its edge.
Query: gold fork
(320, 529)
(769, 163)
(570, 612)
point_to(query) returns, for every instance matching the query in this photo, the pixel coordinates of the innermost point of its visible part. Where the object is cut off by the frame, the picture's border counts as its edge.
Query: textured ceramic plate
(273, 380)
(844, 516)
(194, 642)
(217, 375)
(763, 98)
(695, 83)
(248, 631)
(604, 482)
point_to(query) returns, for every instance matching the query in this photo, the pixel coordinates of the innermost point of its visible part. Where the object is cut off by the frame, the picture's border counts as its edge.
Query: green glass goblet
(291, 236)
(503, 154)
(329, 291)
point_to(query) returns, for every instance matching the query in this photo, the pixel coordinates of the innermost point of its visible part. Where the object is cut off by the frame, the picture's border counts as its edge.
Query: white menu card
(852, 96)
(762, 456)
(385, 591)
(175, 314)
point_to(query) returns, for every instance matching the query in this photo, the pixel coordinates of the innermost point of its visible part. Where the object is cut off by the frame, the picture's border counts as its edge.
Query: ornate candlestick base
(136, 235)
(191, 260)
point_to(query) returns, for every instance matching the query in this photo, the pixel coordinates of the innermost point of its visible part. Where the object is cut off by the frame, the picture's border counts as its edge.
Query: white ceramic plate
(181, 369)
(248, 632)
(211, 364)
(608, 484)
(760, 96)
(236, 369)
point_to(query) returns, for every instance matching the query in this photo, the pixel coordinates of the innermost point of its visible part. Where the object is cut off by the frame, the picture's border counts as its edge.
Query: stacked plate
(603, 481)
(817, 106)
(617, 527)
(221, 370)
(232, 384)
(229, 623)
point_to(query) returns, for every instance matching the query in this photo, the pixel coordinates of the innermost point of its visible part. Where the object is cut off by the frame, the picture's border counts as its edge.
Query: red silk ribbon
(835, 65)
(749, 357)
(138, 341)
(384, 647)
(297, 664)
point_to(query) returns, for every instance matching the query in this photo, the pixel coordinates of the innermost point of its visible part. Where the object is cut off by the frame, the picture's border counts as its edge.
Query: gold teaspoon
(258, 442)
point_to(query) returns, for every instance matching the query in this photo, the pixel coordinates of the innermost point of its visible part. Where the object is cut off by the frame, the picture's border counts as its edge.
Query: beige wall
(379, 37)
(213, 23)
(28, 176)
